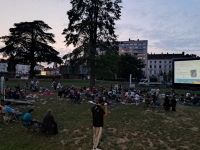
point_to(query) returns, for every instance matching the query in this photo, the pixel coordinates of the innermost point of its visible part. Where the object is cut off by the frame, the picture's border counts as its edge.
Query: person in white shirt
(157, 92)
(188, 94)
(116, 86)
(132, 94)
(137, 99)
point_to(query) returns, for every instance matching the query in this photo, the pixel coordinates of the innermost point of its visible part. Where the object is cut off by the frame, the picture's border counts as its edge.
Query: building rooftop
(165, 56)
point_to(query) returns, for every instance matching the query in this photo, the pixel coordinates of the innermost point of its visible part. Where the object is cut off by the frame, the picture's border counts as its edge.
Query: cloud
(166, 25)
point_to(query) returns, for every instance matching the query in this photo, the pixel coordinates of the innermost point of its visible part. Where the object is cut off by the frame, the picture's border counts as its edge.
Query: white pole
(130, 80)
(2, 88)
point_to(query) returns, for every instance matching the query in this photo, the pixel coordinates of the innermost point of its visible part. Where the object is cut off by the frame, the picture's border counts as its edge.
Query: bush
(153, 80)
(48, 76)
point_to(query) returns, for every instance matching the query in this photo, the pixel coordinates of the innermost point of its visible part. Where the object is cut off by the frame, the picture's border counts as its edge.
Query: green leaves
(129, 64)
(91, 25)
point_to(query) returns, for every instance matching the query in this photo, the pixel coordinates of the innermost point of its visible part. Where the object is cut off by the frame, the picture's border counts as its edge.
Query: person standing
(98, 114)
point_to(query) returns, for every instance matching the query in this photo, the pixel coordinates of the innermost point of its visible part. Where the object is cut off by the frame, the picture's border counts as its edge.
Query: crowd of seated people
(34, 85)
(169, 102)
(48, 125)
(18, 93)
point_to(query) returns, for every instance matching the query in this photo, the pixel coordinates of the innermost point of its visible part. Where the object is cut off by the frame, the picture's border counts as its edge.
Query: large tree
(129, 64)
(28, 43)
(91, 27)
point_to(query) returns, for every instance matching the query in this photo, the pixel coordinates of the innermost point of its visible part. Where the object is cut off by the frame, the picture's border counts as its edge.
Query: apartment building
(137, 48)
(159, 64)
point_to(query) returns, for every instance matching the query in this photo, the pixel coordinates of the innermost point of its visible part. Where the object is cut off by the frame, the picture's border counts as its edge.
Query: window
(169, 61)
(169, 66)
(154, 66)
(150, 61)
(150, 66)
(159, 66)
(154, 72)
(154, 61)
(159, 61)
(165, 61)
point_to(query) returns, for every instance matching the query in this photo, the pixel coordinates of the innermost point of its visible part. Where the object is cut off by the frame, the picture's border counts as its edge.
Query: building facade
(137, 48)
(39, 67)
(3, 66)
(22, 69)
(159, 64)
(81, 73)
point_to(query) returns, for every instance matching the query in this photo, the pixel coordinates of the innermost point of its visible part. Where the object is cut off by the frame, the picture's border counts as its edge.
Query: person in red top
(75, 91)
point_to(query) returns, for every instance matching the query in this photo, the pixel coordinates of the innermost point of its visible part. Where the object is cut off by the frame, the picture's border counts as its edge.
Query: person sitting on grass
(188, 100)
(148, 100)
(12, 111)
(49, 125)
(27, 119)
(166, 103)
(173, 103)
(137, 99)
(195, 100)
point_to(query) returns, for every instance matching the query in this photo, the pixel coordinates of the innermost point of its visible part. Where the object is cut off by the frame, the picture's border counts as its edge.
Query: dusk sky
(169, 25)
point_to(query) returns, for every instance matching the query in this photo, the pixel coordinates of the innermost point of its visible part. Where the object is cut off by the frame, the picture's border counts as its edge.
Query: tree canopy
(28, 43)
(91, 28)
(129, 64)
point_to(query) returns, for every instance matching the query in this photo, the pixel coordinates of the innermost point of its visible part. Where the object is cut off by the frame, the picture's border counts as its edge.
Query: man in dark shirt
(97, 115)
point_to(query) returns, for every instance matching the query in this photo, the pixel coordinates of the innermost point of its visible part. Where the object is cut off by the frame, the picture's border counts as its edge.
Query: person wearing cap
(98, 114)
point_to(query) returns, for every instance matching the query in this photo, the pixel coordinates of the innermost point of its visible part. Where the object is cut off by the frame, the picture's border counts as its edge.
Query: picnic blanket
(127, 103)
(183, 104)
(32, 96)
(109, 105)
(46, 93)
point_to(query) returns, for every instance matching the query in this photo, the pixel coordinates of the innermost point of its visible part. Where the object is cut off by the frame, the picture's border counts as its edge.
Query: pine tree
(28, 43)
(91, 28)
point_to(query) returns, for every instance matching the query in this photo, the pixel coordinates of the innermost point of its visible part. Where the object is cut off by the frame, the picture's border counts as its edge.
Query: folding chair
(7, 117)
(26, 124)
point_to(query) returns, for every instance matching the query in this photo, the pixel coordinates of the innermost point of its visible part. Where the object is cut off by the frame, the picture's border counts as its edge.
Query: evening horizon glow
(169, 26)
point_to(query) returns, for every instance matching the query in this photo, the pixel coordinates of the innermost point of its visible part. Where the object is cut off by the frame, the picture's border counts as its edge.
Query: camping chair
(8, 117)
(33, 127)
(26, 124)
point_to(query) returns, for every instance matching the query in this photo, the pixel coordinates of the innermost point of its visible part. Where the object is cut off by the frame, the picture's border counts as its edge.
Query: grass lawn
(126, 127)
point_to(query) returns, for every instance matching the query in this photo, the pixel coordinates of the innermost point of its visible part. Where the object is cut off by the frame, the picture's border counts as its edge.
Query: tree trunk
(92, 74)
(32, 70)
